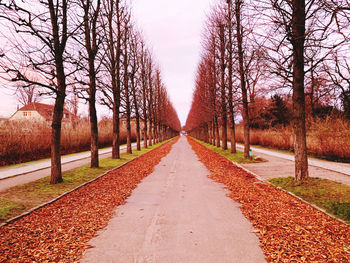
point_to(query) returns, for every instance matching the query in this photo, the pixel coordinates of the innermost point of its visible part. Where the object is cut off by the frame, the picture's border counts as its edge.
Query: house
(39, 112)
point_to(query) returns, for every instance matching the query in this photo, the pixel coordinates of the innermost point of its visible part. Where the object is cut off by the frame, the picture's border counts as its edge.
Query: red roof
(44, 110)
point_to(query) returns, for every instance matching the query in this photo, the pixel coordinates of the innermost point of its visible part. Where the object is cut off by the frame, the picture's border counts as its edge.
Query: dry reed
(28, 141)
(328, 138)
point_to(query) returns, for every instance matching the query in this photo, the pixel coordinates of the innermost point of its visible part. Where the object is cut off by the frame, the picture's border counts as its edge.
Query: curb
(14, 219)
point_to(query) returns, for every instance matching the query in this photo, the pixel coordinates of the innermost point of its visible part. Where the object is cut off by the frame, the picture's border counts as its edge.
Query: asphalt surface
(177, 214)
(282, 165)
(343, 168)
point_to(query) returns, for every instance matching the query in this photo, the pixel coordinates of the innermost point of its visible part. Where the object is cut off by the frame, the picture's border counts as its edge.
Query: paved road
(177, 214)
(28, 172)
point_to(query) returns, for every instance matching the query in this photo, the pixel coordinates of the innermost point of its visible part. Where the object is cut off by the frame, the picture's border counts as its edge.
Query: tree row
(253, 49)
(90, 49)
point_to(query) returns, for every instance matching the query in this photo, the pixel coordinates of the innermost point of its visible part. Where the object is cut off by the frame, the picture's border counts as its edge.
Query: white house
(38, 112)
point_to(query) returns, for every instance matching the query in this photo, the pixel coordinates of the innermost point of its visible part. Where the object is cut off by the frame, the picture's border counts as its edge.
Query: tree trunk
(116, 132)
(150, 133)
(93, 115)
(233, 137)
(155, 134)
(128, 134)
(213, 132)
(138, 135)
(217, 132)
(298, 40)
(56, 170)
(94, 135)
(145, 138)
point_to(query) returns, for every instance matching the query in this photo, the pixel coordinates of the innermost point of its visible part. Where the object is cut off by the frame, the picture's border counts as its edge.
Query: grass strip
(331, 196)
(237, 157)
(19, 199)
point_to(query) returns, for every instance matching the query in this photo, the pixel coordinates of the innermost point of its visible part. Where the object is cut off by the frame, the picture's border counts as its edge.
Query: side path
(32, 171)
(338, 167)
(177, 214)
(279, 166)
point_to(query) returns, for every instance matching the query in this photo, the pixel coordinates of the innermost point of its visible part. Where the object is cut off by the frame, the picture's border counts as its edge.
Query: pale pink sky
(173, 30)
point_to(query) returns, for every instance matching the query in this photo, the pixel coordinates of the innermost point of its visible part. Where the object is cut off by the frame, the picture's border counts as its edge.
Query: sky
(173, 31)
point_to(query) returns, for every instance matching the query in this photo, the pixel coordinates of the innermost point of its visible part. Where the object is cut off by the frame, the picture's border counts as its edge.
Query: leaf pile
(59, 231)
(289, 229)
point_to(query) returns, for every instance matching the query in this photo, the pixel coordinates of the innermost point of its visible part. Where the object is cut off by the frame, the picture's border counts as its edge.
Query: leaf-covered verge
(59, 231)
(289, 229)
(332, 196)
(19, 199)
(237, 157)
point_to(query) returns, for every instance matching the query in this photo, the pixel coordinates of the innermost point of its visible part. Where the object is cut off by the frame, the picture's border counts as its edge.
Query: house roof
(44, 110)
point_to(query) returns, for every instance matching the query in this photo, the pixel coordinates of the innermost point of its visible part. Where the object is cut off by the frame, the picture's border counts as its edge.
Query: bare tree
(112, 62)
(135, 80)
(220, 23)
(91, 13)
(127, 29)
(144, 58)
(339, 74)
(27, 94)
(230, 51)
(150, 101)
(41, 32)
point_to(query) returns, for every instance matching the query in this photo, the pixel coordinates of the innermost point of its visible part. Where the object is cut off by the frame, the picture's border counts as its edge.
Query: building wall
(27, 115)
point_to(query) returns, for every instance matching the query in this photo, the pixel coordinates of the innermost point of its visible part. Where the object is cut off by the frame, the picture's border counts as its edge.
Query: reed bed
(28, 141)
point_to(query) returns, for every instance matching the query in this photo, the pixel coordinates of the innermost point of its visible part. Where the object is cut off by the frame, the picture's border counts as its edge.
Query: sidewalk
(24, 168)
(282, 165)
(28, 172)
(333, 166)
(177, 214)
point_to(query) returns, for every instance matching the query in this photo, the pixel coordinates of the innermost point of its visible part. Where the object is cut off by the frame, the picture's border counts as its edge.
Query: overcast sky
(173, 30)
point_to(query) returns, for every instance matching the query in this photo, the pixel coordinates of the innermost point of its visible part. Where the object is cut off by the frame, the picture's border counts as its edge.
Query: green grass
(332, 196)
(7, 208)
(237, 157)
(19, 199)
